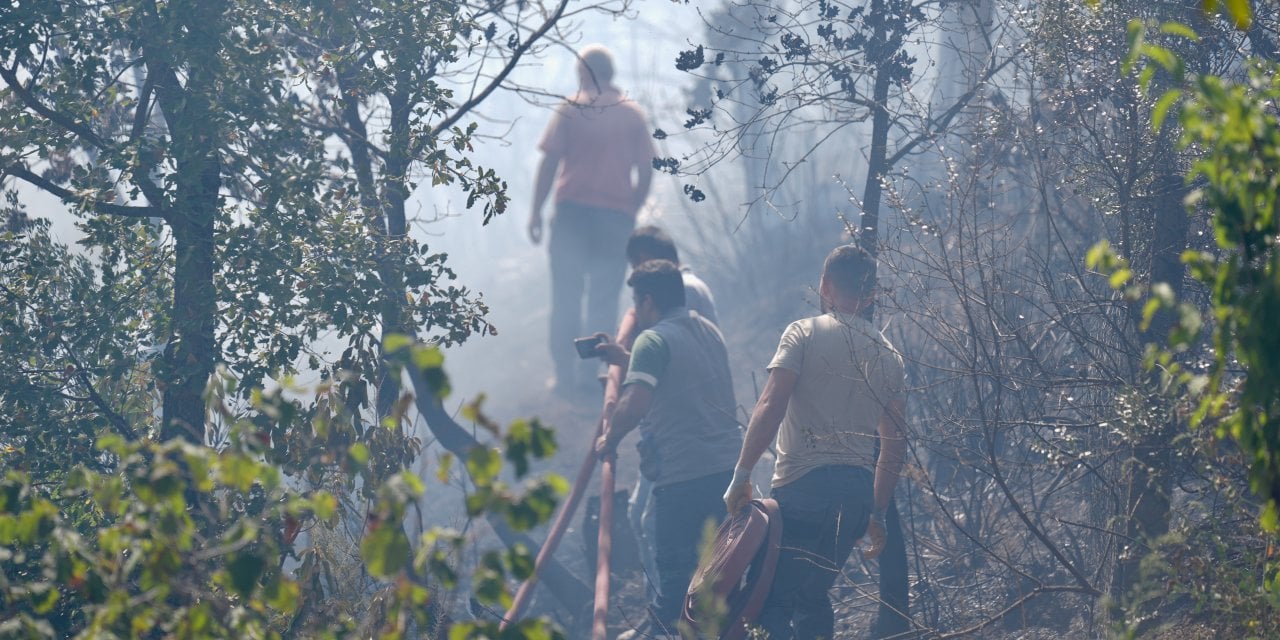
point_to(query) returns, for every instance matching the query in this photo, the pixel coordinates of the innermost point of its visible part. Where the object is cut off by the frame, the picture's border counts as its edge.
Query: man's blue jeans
(824, 512)
(640, 511)
(681, 512)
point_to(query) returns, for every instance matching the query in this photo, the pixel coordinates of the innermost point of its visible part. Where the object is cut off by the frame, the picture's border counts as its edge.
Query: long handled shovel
(600, 615)
(525, 592)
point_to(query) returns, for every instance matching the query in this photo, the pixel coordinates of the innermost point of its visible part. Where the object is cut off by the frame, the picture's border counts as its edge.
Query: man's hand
(739, 492)
(604, 446)
(737, 496)
(876, 537)
(535, 227)
(611, 352)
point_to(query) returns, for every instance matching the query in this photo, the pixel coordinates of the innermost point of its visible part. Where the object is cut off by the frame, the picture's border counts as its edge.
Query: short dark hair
(599, 61)
(851, 270)
(661, 280)
(653, 243)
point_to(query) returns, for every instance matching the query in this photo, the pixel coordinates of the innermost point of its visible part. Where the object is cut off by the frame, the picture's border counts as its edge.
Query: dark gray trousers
(588, 255)
(824, 512)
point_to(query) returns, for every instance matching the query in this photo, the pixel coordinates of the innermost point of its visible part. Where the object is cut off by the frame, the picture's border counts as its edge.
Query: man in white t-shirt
(834, 385)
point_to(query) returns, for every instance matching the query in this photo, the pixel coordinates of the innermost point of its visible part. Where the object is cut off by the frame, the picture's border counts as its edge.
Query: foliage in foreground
(1235, 130)
(183, 540)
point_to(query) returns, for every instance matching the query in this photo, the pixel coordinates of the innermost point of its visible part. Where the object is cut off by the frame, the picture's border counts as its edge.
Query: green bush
(176, 539)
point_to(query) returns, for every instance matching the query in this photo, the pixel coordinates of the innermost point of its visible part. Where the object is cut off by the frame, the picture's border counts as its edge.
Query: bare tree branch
(510, 66)
(67, 195)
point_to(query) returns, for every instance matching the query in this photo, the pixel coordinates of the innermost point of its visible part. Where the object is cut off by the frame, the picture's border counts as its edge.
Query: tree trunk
(877, 165)
(191, 112)
(1151, 480)
(894, 615)
(394, 194)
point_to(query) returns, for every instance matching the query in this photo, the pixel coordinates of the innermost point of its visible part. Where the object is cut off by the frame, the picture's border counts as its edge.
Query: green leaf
(1119, 277)
(1270, 518)
(245, 569)
(1145, 77)
(238, 471)
(283, 595)
(358, 455)
(199, 468)
(1162, 107)
(483, 464)
(1149, 311)
(445, 466)
(395, 342)
(521, 561)
(1179, 29)
(46, 602)
(558, 483)
(324, 505)
(1135, 34)
(463, 631)
(1102, 257)
(428, 357)
(1240, 13)
(385, 549)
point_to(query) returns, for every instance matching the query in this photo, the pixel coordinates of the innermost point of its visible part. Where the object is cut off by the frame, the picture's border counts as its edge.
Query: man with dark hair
(834, 385)
(679, 392)
(651, 243)
(597, 153)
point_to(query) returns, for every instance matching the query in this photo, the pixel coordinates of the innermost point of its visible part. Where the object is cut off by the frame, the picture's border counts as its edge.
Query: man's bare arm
(632, 407)
(893, 451)
(766, 418)
(644, 180)
(627, 331)
(547, 169)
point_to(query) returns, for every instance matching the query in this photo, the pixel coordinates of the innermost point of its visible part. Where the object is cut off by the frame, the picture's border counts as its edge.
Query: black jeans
(588, 254)
(681, 513)
(824, 513)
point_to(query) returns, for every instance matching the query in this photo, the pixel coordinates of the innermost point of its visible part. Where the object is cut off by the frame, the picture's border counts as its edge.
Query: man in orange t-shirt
(598, 153)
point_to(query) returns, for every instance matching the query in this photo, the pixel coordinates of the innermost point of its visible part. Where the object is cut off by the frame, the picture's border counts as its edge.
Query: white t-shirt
(848, 374)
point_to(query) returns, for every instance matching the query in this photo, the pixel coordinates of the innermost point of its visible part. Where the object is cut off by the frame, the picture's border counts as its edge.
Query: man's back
(848, 373)
(691, 424)
(698, 296)
(599, 139)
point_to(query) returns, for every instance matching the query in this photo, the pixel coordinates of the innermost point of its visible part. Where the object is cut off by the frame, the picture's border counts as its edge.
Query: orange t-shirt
(599, 140)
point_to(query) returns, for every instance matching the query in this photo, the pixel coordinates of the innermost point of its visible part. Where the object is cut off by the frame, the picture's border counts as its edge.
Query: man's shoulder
(829, 326)
(632, 106)
(650, 347)
(649, 336)
(691, 279)
(860, 331)
(624, 108)
(691, 324)
(809, 325)
(695, 285)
